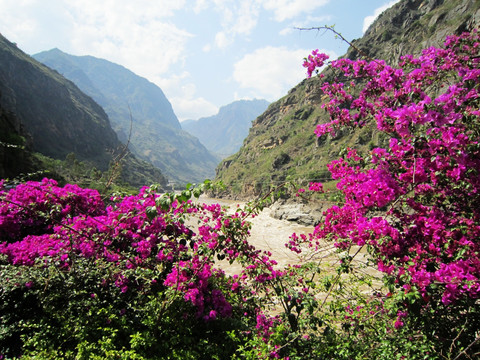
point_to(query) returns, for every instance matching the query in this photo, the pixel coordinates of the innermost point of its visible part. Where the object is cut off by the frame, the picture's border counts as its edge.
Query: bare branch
(332, 29)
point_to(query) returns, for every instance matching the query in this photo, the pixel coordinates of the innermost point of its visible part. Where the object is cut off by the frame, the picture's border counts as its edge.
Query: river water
(272, 234)
(267, 233)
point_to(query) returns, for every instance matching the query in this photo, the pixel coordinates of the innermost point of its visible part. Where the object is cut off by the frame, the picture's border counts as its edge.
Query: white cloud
(236, 18)
(139, 35)
(182, 94)
(29, 23)
(271, 71)
(193, 109)
(237, 96)
(371, 18)
(240, 18)
(222, 40)
(173, 83)
(200, 5)
(288, 9)
(247, 17)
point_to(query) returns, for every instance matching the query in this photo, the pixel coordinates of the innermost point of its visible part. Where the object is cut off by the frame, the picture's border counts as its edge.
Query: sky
(203, 54)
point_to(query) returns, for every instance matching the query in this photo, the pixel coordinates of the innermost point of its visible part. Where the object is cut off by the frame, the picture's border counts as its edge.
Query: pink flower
(313, 61)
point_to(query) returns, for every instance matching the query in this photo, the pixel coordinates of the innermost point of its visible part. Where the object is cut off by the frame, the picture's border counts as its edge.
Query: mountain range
(139, 113)
(42, 112)
(223, 133)
(281, 145)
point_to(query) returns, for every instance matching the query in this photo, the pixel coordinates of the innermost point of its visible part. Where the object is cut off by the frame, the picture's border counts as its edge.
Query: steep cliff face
(15, 147)
(281, 145)
(57, 116)
(60, 118)
(156, 133)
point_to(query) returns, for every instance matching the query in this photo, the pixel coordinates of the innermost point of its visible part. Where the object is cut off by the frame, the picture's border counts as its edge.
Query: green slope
(281, 145)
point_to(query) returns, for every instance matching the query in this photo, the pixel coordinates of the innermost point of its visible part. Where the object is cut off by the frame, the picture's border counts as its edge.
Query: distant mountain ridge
(157, 135)
(223, 133)
(58, 118)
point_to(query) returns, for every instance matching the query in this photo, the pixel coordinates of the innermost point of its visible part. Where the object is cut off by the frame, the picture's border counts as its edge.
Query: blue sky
(202, 53)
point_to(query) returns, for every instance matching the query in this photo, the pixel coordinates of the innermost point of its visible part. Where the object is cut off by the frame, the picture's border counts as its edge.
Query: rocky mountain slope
(156, 134)
(58, 118)
(223, 133)
(281, 145)
(15, 147)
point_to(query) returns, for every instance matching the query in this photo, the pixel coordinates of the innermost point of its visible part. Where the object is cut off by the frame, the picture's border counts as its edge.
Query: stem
(338, 278)
(468, 347)
(331, 28)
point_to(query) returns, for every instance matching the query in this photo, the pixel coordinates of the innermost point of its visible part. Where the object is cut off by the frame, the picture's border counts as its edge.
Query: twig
(468, 347)
(121, 156)
(331, 28)
(338, 278)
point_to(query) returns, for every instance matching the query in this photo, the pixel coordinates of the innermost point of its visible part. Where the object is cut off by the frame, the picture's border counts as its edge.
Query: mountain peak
(132, 101)
(224, 132)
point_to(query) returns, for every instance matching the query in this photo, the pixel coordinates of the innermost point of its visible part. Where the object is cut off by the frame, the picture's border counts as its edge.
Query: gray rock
(302, 214)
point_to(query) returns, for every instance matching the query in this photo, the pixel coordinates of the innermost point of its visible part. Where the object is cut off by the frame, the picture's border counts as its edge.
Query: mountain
(133, 102)
(15, 147)
(223, 133)
(281, 145)
(39, 105)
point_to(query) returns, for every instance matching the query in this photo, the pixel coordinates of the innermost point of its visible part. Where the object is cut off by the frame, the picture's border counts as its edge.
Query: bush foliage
(144, 276)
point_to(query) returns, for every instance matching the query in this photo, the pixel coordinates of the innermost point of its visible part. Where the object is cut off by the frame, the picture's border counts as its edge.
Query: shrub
(141, 277)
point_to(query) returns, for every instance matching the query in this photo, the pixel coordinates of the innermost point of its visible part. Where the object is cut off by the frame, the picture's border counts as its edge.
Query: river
(272, 234)
(267, 233)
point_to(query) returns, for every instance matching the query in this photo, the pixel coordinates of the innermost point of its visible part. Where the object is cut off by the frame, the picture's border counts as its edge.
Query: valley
(338, 221)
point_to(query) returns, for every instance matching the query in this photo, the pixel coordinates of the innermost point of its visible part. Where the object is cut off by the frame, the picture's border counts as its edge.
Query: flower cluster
(314, 61)
(146, 231)
(35, 207)
(426, 182)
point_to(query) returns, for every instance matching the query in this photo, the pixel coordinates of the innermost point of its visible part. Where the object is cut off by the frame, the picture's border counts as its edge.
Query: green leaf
(151, 212)
(164, 202)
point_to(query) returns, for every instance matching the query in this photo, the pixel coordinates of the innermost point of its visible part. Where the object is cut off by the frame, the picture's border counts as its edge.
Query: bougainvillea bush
(81, 279)
(414, 204)
(144, 276)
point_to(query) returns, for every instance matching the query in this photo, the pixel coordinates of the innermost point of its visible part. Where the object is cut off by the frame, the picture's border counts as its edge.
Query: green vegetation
(286, 126)
(121, 176)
